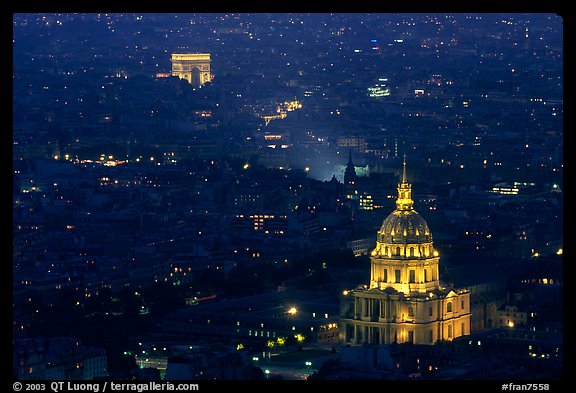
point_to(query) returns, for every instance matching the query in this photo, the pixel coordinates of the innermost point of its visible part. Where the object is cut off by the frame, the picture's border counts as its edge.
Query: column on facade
(369, 309)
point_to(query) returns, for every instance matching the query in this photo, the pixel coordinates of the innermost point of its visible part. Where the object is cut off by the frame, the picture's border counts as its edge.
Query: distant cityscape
(287, 196)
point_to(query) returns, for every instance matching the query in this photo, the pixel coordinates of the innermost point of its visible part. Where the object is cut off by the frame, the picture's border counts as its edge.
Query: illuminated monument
(194, 67)
(405, 301)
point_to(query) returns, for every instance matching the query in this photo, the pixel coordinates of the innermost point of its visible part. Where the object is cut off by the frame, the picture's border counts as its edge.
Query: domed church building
(405, 301)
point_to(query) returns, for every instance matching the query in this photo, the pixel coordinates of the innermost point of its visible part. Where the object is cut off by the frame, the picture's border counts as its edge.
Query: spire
(404, 201)
(404, 172)
(350, 172)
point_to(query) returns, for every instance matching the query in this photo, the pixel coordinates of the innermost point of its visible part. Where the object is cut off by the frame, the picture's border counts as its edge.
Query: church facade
(405, 300)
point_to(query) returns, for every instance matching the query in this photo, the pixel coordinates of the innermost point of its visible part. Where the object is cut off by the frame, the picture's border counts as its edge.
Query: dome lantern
(404, 201)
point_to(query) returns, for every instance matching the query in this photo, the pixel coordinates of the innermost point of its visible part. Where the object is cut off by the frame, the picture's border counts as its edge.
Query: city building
(361, 243)
(379, 90)
(405, 300)
(125, 184)
(194, 67)
(57, 358)
(359, 144)
(310, 315)
(211, 364)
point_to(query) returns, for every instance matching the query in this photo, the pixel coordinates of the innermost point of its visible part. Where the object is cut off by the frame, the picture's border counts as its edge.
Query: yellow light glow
(299, 337)
(559, 252)
(436, 253)
(246, 166)
(292, 311)
(511, 324)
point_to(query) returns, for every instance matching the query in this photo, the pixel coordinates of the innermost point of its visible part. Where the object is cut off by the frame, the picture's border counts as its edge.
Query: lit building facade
(359, 144)
(379, 89)
(405, 301)
(194, 67)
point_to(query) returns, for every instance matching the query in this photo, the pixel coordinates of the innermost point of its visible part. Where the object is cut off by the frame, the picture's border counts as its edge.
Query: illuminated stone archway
(194, 67)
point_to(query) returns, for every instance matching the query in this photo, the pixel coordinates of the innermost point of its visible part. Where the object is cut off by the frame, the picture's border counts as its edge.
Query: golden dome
(404, 227)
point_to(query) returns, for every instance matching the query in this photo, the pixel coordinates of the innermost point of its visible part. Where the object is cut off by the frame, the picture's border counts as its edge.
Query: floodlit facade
(194, 67)
(405, 301)
(379, 89)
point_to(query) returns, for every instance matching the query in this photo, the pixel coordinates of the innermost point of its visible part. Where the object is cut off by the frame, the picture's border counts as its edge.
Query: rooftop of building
(299, 305)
